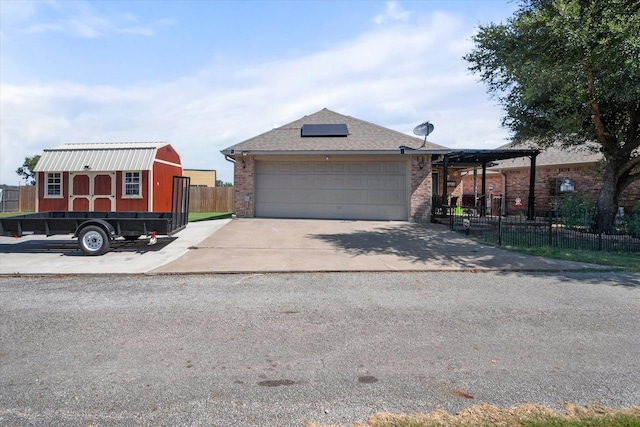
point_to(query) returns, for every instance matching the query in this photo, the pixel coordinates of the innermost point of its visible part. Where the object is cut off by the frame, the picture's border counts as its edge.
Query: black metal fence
(570, 231)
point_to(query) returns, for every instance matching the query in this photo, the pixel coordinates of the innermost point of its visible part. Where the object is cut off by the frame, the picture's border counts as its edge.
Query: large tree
(568, 72)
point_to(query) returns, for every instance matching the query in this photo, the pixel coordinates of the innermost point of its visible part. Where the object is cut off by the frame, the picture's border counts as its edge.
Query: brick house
(576, 167)
(330, 166)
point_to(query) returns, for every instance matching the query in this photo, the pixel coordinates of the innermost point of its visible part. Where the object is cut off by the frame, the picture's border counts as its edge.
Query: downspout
(229, 159)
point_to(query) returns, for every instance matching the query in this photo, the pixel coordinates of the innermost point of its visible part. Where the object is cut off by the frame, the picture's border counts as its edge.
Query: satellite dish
(423, 129)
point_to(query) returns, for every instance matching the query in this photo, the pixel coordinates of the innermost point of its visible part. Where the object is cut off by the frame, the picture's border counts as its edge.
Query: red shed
(109, 177)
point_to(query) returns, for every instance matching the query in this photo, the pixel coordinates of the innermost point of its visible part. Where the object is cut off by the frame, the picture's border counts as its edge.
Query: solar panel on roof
(325, 130)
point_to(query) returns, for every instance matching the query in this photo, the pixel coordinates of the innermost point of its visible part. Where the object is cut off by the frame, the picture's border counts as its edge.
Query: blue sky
(204, 75)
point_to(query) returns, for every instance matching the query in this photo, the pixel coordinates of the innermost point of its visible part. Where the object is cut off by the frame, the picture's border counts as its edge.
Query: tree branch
(596, 117)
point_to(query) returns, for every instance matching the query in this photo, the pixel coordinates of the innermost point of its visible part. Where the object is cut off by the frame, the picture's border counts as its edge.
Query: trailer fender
(108, 228)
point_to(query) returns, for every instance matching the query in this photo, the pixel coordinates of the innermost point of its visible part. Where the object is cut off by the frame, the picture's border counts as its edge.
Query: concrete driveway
(276, 245)
(60, 254)
(290, 245)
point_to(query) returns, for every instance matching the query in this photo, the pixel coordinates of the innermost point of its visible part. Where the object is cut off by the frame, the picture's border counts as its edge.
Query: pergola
(472, 158)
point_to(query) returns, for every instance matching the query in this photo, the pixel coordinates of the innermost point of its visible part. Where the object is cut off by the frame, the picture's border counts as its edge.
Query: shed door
(333, 189)
(92, 192)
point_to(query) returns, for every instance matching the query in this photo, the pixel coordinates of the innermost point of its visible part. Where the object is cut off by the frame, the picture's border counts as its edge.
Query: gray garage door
(373, 190)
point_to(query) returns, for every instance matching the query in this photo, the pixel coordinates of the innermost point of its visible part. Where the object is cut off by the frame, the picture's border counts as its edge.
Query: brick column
(243, 185)
(421, 191)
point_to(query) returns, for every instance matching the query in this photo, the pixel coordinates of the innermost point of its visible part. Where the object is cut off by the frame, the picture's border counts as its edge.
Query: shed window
(54, 184)
(132, 184)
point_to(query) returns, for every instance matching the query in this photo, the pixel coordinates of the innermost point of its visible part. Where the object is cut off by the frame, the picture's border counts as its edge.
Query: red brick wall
(631, 197)
(421, 189)
(587, 179)
(243, 185)
(492, 179)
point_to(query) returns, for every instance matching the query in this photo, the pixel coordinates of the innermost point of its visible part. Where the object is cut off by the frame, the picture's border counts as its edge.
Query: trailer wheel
(93, 240)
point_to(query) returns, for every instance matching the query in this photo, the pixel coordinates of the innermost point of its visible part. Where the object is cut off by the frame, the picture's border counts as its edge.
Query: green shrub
(633, 222)
(577, 211)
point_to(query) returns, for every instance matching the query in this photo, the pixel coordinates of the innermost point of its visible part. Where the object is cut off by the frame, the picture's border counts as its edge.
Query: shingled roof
(363, 137)
(551, 156)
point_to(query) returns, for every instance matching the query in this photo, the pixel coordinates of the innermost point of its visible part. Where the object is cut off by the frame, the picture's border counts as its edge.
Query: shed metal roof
(132, 156)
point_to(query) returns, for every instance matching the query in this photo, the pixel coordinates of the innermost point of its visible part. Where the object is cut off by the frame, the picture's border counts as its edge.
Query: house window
(132, 184)
(54, 184)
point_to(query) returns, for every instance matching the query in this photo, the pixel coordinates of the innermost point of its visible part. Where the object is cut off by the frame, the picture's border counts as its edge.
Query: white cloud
(396, 76)
(394, 12)
(80, 19)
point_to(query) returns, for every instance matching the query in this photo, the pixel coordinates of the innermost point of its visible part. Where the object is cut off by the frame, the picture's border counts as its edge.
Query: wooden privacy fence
(211, 199)
(201, 199)
(27, 198)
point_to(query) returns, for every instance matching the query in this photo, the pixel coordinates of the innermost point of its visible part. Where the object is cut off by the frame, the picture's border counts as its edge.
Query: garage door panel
(356, 168)
(320, 168)
(333, 190)
(392, 168)
(337, 167)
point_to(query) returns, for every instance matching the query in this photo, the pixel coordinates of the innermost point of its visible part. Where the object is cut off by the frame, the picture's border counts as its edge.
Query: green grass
(207, 216)
(8, 214)
(629, 261)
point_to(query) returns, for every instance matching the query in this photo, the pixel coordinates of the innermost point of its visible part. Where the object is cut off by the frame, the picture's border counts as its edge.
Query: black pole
(483, 197)
(532, 184)
(445, 180)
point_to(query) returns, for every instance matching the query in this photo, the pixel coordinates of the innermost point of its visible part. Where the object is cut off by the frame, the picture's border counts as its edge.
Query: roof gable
(362, 137)
(102, 157)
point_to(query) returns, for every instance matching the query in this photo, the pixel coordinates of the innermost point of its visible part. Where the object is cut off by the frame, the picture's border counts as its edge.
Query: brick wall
(587, 179)
(495, 180)
(243, 184)
(421, 189)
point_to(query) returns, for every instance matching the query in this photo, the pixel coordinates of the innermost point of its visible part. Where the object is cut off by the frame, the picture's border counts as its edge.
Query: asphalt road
(282, 349)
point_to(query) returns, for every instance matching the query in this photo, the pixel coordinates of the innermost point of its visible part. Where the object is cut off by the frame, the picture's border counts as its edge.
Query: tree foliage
(568, 72)
(220, 183)
(26, 170)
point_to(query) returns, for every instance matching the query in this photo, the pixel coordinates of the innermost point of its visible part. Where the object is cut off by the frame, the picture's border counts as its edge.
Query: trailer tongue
(96, 230)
